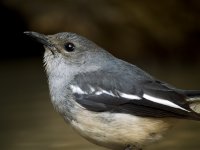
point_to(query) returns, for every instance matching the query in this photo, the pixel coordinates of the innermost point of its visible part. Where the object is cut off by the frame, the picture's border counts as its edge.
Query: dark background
(160, 31)
(162, 37)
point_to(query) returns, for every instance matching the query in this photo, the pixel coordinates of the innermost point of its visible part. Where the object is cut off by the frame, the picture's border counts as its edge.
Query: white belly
(115, 130)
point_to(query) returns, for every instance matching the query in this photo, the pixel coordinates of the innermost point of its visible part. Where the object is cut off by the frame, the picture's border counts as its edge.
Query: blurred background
(162, 37)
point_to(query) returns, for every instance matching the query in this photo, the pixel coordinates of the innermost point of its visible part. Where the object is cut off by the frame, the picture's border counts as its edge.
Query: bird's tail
(193, 97)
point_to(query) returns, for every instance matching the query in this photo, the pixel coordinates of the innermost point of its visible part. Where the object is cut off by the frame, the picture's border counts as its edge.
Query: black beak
(40, 38)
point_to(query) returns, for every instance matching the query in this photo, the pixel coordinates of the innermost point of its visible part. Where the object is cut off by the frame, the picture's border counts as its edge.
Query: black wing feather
(113, 82)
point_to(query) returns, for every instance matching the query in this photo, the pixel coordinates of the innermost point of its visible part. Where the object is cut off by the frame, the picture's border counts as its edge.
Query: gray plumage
(109, 101)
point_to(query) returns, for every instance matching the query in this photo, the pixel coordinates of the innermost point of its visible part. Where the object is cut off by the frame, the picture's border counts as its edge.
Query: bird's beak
(40, 38)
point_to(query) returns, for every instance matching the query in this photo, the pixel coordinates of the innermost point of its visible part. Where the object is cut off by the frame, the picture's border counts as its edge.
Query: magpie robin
(108, 101)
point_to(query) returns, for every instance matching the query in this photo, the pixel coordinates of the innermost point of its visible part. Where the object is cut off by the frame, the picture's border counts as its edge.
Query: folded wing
(101, 91)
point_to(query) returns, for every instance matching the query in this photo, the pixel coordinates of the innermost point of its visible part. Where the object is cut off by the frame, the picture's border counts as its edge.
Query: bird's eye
(69, 47)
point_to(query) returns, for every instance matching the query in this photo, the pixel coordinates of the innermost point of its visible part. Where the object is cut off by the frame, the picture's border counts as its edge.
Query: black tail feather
(192, 93)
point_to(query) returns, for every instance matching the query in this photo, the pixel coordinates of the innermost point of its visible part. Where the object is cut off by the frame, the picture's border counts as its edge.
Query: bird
(109, 101)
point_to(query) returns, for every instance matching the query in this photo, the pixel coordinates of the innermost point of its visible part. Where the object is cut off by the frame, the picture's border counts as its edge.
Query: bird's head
(69, 49)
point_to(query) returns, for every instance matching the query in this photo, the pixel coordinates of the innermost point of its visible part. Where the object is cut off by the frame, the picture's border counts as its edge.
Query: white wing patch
(99, 91)
(162, 101)
(76, 89)
(91, 89)
(124, 95)
(107, 92)
(129, 96)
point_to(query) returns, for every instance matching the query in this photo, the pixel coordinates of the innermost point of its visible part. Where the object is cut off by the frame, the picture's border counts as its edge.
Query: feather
(193, 97)
(107, 91)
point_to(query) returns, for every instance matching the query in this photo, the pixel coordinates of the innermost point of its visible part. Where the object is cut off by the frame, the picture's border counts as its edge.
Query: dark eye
(69, 47)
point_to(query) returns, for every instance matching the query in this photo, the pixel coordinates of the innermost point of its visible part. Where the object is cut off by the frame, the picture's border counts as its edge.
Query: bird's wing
(103, 91)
